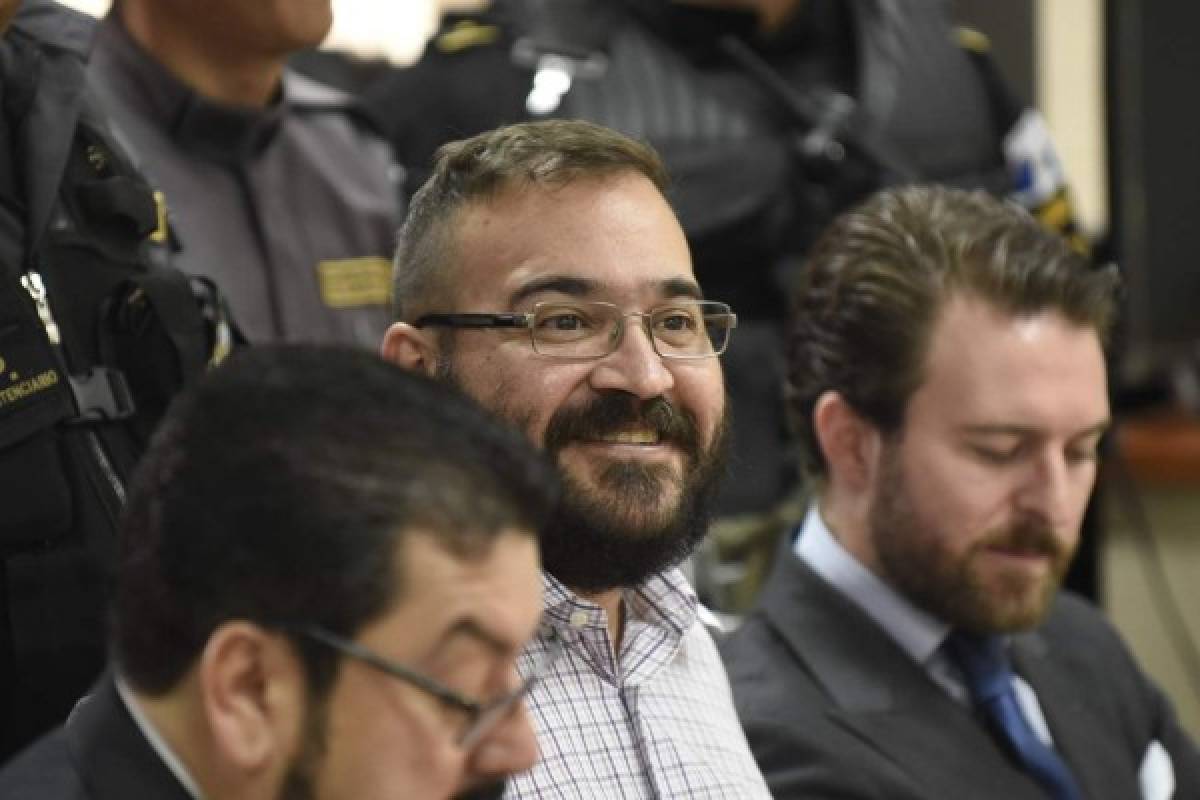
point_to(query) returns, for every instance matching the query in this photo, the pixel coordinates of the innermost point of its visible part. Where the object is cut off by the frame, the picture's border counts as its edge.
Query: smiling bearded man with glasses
(542, 271)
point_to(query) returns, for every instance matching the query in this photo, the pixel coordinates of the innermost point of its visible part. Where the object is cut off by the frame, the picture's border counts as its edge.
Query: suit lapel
(880, 695)
(1081, 735)
(112, 755)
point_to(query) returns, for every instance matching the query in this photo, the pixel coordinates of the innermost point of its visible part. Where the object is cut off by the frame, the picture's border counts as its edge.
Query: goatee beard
(592, 543)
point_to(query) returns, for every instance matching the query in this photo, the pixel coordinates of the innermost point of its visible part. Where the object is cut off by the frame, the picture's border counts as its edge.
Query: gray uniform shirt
(291, 209)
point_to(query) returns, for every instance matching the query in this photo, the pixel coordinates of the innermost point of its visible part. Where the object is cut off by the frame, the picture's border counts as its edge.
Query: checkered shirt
(656, 723)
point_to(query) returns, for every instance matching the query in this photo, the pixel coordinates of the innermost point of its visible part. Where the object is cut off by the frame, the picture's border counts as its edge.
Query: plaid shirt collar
(650, 719)
(665, 601)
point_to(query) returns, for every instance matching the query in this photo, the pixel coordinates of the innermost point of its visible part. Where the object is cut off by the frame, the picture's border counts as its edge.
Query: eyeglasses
(587, 330)
(481, 717)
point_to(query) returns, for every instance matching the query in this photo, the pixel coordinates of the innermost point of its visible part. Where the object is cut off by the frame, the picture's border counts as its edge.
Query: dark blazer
(99, 754)
(833, 708)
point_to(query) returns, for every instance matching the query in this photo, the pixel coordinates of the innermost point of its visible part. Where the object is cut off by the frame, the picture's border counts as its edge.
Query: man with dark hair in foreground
(542, 270)
(947, 375)
(328, 568)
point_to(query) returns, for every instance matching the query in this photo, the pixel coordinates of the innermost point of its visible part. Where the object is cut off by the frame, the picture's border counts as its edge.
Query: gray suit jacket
(833, 708)
(99, 754)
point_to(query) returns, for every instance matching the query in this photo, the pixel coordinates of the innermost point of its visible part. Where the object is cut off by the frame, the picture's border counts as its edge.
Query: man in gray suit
(947, 374)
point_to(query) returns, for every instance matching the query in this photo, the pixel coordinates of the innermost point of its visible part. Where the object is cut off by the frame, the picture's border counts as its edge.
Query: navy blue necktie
(985, 667)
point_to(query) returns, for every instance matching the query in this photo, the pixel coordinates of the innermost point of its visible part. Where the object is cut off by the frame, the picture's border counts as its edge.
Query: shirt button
(579, 619)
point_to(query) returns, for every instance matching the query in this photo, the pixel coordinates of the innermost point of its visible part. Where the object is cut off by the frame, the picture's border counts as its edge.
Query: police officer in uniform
(96, 335)
(277, 186)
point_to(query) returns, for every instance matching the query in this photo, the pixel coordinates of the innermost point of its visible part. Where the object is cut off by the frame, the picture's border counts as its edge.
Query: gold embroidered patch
(19, 390)
(161, 231)
(355, 282)
(465, 35)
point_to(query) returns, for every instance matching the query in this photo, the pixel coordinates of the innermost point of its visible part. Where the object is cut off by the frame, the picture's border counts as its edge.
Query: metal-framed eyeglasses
(683, 329)
(479, 717)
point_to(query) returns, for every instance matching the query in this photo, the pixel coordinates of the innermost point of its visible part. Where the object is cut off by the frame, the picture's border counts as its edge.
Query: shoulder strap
(825, 119)
(978, 50)
(152, 329)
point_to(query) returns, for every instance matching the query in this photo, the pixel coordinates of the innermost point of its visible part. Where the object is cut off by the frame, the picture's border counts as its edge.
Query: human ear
(253, 694)
(411, 348)
(849, 442)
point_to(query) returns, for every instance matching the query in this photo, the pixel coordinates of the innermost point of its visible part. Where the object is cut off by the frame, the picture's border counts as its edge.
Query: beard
(617, 532)
(614, 534)
(300, 780)
(959, 588)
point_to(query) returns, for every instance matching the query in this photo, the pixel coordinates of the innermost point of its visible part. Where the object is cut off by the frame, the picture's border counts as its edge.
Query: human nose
(1050, 492)
(634, 366)
(508, 748)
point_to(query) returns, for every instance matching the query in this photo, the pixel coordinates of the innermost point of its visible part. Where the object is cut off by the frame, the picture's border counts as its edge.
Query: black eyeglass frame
(481, 715)
(525, 320)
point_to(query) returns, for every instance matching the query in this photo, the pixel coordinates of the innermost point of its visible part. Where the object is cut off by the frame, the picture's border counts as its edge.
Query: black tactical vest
(96, 335)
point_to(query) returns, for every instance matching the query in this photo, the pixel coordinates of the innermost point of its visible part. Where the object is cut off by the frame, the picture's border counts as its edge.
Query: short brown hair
(546, 153)
(878, 278)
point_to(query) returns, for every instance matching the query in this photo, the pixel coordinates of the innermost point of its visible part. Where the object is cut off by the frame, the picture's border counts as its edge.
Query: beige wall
(1070, 92)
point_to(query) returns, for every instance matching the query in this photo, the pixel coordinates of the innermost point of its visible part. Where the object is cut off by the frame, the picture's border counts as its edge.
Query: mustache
(611, 412)
(1026, 537)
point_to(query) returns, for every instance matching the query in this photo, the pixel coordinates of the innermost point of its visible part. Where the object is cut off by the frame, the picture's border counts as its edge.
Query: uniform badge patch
(355, 282)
